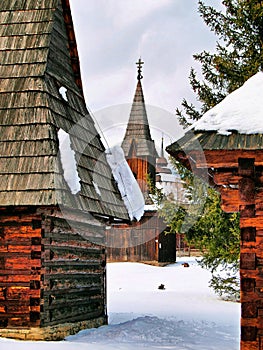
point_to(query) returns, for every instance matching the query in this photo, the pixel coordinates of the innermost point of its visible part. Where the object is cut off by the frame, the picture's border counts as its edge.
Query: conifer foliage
(238, 55)
(215, 233)
(238, 27)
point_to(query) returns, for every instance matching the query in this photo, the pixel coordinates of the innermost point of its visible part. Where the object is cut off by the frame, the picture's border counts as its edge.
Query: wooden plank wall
(122, 241)
(140, 169)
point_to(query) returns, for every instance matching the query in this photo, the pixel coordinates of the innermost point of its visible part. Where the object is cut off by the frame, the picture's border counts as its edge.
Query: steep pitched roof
(38, 56)
(138, 133)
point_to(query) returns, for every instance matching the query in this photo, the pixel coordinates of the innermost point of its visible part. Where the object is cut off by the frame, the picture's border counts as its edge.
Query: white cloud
(125, 13)
(113, 34)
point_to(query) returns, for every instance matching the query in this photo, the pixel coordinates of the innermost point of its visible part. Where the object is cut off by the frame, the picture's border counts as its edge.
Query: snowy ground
(185, 315)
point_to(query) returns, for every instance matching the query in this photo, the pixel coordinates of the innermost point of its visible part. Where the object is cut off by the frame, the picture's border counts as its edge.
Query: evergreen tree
(238, 55)
(215, 233)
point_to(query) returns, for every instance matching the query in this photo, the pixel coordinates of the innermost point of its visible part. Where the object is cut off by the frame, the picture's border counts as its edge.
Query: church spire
(162, 151)
(138, 145)
(138, 130)
(161, 162)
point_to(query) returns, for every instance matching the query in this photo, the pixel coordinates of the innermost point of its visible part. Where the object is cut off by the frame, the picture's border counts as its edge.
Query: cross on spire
(139, 64)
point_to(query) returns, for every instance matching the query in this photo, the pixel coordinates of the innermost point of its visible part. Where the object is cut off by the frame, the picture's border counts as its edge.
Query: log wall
(242, 191)
(50, 274)
(251, 257)
(73, 287)
(20, 268)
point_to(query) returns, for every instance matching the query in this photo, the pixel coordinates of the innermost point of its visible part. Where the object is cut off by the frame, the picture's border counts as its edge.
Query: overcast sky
(113, 34)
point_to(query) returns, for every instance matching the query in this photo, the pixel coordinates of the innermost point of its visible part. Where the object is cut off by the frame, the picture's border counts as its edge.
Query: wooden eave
(212, 150)
(143, 148)
(211, 140)
(216, 159)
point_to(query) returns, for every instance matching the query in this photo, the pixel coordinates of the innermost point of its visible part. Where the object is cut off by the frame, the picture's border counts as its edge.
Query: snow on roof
(242, 110)
(68, 162)
(127, 184)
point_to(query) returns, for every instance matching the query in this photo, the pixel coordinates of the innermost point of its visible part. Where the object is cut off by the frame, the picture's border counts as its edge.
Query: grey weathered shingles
(38, 55)
(210, 140)
(138, 130)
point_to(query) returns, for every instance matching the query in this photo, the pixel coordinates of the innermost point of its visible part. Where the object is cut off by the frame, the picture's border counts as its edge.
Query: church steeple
(138, 129)
(162, 150)
(138, 145)
(161, 163)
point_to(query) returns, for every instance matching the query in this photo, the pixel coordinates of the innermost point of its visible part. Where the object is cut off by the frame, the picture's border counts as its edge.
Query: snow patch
(127, 184)
(96, 188)
(63, 92)
(242, 110)
(68, 161)
(151, 332)
(187, 315)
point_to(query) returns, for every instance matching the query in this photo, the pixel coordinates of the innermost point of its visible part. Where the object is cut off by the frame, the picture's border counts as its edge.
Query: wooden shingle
(38, 56)
(138, 130)
(210, 140)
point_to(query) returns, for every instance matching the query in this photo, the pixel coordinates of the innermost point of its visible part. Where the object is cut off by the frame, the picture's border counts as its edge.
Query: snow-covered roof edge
(242, 110)
(127, 184)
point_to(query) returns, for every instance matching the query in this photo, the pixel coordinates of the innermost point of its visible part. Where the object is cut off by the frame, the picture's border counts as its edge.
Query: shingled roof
(138, 133)
(38, 56)
(211, 140)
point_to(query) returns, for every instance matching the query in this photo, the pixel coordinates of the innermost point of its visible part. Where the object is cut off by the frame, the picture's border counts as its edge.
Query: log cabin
(52, 213)
(226, 149)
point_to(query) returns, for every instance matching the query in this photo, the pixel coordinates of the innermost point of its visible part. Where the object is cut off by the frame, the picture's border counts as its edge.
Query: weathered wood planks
(49, 273)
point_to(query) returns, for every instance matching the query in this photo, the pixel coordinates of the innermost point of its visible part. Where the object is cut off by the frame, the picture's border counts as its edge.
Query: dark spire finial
(162, 151)
(139, 64)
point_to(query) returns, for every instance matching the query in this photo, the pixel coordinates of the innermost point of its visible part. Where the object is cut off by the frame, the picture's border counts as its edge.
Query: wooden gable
(38, 56)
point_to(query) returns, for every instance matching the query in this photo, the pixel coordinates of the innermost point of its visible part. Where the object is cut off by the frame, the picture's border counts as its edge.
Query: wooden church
(52, 235)
(146, 240)
(138, 145)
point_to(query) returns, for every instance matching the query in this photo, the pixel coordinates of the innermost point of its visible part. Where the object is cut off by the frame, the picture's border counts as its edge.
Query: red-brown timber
(235, 167)
(49, 273)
